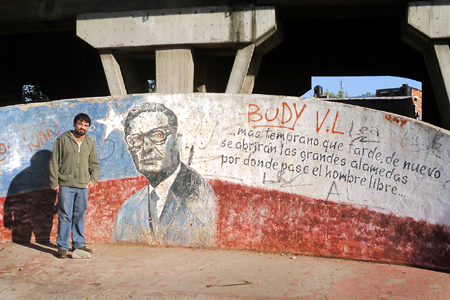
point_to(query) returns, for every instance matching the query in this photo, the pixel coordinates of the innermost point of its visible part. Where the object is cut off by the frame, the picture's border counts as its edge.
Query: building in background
(405, 90)
(405, 100)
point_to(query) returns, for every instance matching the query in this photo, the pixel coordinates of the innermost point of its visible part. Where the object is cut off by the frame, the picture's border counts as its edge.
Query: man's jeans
(72, 206)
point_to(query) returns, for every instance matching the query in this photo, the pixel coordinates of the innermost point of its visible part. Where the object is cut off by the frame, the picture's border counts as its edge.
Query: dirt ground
(144, 272)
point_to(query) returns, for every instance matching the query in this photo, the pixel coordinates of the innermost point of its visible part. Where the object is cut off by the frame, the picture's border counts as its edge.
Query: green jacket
(68, 167)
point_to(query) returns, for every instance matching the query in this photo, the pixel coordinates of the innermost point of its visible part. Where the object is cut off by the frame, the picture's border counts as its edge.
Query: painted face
(81, 127)
(152, 143)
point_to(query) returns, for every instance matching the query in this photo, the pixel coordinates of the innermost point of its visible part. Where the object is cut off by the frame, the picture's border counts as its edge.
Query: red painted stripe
(34, 213)
(104, 204)
(257, 219)
(252, 218)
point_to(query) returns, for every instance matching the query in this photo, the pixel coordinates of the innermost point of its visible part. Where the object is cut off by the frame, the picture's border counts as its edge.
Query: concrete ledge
(184, 26)
(430, 17)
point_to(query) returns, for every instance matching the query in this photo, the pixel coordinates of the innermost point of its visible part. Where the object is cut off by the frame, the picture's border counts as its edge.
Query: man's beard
(77, 132)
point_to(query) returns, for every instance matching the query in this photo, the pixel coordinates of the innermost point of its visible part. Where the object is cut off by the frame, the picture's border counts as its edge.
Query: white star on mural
(112, 122)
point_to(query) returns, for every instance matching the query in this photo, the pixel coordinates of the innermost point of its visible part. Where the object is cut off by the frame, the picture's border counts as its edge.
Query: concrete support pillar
(442, 50)
(240, 70)
(174, 70)
(172, 33)
(437, 58)
(250, 78)
(113, 73)
(427, 30)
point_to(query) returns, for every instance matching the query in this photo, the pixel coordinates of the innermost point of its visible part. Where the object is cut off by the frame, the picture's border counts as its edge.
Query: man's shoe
(61, 254)
(84, 249)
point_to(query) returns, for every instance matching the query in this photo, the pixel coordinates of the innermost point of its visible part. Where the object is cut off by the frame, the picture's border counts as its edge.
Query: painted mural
(268, 173)
(178, 207)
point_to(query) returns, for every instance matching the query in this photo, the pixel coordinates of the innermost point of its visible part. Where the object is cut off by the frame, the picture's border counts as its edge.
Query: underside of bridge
(54, 46)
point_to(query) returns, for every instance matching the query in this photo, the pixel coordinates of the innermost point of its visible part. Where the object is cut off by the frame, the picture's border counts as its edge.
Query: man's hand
(90, 185)
(56, 189)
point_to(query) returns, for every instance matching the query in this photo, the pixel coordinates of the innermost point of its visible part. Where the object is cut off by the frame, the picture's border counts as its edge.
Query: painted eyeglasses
(157, 136)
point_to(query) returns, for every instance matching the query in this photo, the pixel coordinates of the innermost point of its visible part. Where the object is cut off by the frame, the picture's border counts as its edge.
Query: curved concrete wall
(287, 174)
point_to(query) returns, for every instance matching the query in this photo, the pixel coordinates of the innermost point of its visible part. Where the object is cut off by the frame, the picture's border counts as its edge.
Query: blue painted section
(29, 132)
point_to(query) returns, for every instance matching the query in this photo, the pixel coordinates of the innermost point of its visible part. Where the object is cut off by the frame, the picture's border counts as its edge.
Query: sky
(359, 85)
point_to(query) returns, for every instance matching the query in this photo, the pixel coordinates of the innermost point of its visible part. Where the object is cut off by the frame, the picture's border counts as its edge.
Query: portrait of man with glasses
(178, 207)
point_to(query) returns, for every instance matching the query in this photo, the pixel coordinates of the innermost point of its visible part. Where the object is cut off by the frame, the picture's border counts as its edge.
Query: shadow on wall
(30, 203)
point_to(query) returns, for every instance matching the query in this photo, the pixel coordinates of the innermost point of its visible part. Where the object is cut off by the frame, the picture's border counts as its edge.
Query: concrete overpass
(86, 48)
(289, 175)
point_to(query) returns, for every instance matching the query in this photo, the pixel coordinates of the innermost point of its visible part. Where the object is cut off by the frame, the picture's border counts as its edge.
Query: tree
(32, 93)
(368, 94)
(151, 86)
(340, 94)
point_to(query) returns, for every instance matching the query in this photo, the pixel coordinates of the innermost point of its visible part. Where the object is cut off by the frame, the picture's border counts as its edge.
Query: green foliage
(32, 93)
(340, 94)
(368, 94)
(151, 86)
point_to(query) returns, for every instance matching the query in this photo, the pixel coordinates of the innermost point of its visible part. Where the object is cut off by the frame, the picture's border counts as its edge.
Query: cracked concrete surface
(144, 272)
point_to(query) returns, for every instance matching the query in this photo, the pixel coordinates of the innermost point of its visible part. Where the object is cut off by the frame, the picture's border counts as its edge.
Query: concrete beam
(194, 26)
(250, 78)
(414, 38)
(169, 30)
(113, 73)
(442, 51)
(432, 18)
(271, 41)
(428, 31)
(174, 70)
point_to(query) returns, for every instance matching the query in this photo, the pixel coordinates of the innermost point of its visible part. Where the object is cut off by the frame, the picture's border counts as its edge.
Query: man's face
(81, 127)
(152, 143)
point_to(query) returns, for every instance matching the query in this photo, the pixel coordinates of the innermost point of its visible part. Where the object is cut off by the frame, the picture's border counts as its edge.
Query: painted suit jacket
(188, 217)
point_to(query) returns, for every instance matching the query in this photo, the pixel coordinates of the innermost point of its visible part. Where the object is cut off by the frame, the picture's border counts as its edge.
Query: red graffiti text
(287, 117)
(37, 138)
(396, 120)
(3, 150)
